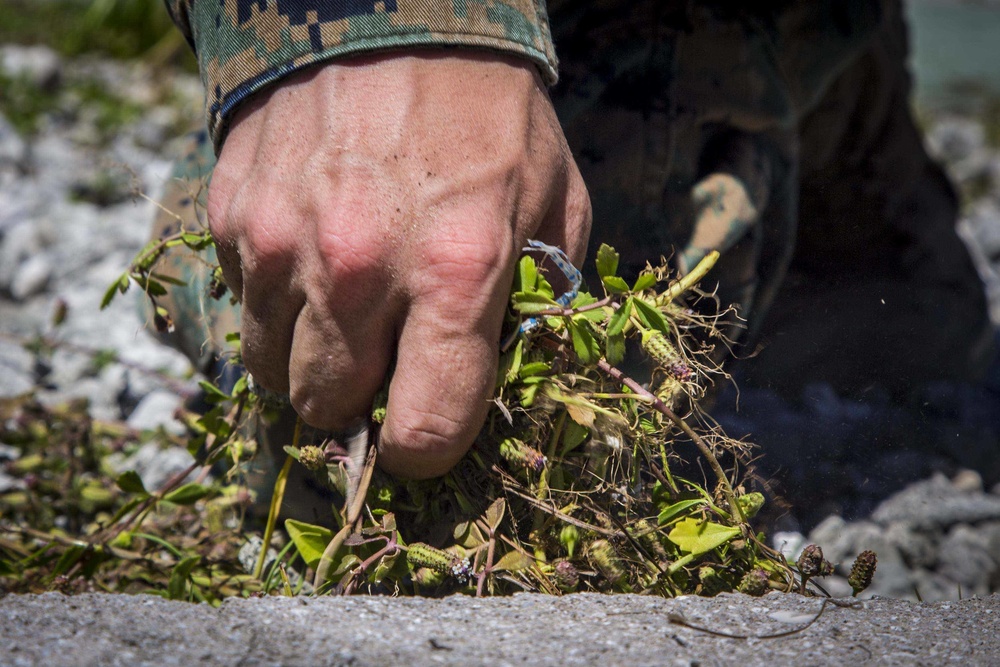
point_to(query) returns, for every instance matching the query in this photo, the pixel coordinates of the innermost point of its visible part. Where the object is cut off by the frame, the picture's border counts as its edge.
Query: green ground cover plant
(583, 478)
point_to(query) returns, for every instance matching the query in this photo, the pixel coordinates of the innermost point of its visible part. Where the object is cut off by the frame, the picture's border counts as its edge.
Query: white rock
(13, 150)
(955, 139)
(39, 64)
(790, 544)
(32, 277)
(156, 465)
(16, 369)
(156, 410)
(16, 245)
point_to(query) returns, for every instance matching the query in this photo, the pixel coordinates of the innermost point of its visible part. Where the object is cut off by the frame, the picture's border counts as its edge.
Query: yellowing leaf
(527, 273)
(696, 537)
(494, 513)
(512, 561)
(581, 414)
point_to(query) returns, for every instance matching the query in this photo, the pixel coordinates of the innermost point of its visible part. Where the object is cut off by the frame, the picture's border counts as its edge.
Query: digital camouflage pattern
(244, 45)
(782, 137)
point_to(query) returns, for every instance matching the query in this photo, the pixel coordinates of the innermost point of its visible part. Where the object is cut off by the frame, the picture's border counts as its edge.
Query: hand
(378, 205)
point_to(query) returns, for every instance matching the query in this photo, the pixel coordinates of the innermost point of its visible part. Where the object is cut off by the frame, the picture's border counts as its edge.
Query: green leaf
(673, 511)
(584, 344)
(188, 494)
(527, 274)
(153, 288)
(130, 482)
(614, 284)
(196, 241)
(534, 368)
(120, 286)
(607, 261)
(310, 540)
(495, 512)
(241, 385)
(531, 308)
(644, 281)
(212, 393)
(696, 537)
(294, 452)
(573, 436)
(651, 316)
(616, 323)
(170, 280)
(514, 360)
(614, 349)
(177, 587)
(532, 302)
(513, 561)
(527, 398)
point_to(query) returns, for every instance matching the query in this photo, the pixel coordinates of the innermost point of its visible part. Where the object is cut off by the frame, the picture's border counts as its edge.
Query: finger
(445, 371)
(268, 318)
(338, 362)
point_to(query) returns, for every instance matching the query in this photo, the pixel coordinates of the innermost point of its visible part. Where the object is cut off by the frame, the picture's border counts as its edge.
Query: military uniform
(781, 136)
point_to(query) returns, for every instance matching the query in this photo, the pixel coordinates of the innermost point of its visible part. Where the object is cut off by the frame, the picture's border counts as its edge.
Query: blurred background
(95, 98)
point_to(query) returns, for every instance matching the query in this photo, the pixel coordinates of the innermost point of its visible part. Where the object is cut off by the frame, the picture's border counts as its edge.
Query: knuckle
(433, 439)
(468, 260)
(352, 257)
(264, 243)
(313, 411)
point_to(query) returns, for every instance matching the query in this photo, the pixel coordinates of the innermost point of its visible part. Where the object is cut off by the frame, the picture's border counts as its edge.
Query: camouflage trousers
(782, 137)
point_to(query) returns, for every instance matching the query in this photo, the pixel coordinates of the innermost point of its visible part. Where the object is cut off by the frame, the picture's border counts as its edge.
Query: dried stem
(703, 447)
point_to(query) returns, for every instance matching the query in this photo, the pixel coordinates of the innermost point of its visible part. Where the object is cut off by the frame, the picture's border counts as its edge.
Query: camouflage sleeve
(244, 45)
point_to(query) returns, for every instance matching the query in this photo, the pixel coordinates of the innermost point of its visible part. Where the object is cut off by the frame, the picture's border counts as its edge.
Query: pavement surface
(582, 629)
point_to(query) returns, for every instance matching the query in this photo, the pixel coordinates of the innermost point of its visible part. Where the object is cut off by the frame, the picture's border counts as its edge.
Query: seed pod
(711, 583)
(754, 583)
(657, 346)
(810, 562)
(862, 571)
(419, 554)
(312, 457)
(602, 555)
(680, 371)
(566, 576)
(516, 452)
(750, 503)
(670, 391)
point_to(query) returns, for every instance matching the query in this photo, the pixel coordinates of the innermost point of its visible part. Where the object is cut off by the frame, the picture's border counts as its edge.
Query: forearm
(245, 45)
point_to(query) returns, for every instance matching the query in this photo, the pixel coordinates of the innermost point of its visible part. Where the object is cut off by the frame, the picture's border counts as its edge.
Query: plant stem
(277, 496)
(353, 514)
(690, 280)
(662, 407)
